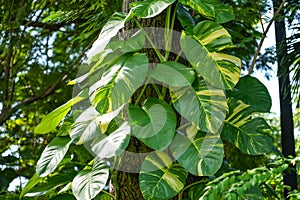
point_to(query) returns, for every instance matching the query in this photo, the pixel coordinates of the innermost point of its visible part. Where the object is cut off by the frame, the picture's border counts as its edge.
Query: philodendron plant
(197, 104)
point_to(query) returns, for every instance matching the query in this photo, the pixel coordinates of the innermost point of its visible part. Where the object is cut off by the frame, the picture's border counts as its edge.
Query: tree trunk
(127, 176)
(286, 113)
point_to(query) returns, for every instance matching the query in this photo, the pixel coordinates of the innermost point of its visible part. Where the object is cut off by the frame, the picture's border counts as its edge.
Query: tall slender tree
(286, 113)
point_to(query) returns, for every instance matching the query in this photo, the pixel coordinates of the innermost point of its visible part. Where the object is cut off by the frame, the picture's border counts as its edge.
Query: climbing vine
(199, 105)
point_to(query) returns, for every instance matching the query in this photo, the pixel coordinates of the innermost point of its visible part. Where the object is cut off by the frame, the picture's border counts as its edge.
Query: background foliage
(42, 43)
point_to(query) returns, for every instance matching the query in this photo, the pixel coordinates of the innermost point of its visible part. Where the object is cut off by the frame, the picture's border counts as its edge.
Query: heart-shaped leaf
(109, 30)
(173, 74)
(52, 183)
(91, 180)
(149, 8)
(160, 178)
(90, 124)
(218, 69)
(112, 145)
(213, 36)
(86, 126)
(205, 9)
(112, 52)
(100, 62)
(52, 155)
(119, 82)
(203, 105)
(134, 43)
(252, 92)
(224, 13)
(211, 9)
(201, 155)
(160, 130)
(245, 132)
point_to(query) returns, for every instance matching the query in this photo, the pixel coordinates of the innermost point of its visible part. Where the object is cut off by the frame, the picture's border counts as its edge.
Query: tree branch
(263, 37)
(9, 112)
(52, 27)
(49, 26)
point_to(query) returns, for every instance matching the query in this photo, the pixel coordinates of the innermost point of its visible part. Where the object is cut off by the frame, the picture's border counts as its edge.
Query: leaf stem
(142, 92)
(183, 126)
(167, 32)
(164, 92)
(191, 185)
(178, 55)
(169, 29)
(160, 96)
(109, 194)
(160, 57)
(167, 23)
(179, 196)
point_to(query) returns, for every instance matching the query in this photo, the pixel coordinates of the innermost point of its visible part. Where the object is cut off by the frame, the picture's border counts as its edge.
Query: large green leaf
(212, 9)
(86, 126)
(91, 180)
(173, 74)
(149, 8)
(203, 8)
(252, 92)
(218, 69)
(112, 145)
(224, 13)
(98, 64)
(114, 50)
(51, 121)
(119, 82)
(245, 132)
(134, 43)
(160, 178)
(52, 155)
(160, 130)
(52, 183)
(213, 36)
(90, 124)
(109, 30)
(111, 55)
(203, 105)
(201, 155)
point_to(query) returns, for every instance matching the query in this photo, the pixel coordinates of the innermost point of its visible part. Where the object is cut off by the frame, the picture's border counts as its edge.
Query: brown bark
(127, 177)
(126, 183)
